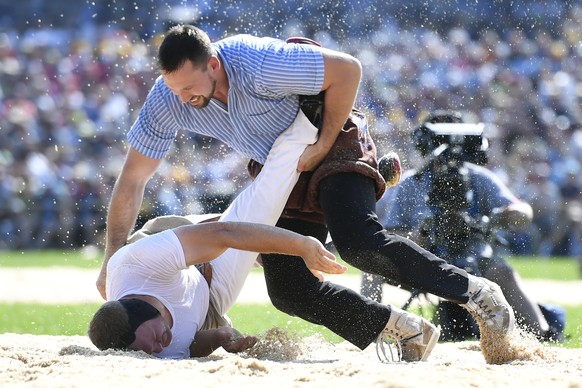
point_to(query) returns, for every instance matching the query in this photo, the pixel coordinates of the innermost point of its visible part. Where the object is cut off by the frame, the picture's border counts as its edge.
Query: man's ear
(214, 63)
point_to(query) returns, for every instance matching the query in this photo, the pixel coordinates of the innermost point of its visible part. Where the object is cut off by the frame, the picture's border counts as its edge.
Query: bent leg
(261, 202)
(349, 204)
(294, 290)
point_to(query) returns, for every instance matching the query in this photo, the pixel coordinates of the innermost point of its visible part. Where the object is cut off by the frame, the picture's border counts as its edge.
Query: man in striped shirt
(244, 91)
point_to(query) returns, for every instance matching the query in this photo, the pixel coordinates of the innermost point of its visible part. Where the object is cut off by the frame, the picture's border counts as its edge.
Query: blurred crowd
(71, 86)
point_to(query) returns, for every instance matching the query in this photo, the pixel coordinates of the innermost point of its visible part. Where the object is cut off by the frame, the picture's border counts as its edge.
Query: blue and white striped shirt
(265, 75)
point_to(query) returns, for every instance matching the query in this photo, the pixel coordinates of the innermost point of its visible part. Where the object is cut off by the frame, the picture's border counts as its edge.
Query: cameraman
(450, 206)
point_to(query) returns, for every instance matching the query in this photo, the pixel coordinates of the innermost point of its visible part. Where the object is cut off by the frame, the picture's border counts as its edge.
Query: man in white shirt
(159, 300)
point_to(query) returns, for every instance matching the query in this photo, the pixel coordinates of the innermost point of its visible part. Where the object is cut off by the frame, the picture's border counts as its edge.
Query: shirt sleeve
(494, 193)
(155, 129)
(290, 68)
(156, 259)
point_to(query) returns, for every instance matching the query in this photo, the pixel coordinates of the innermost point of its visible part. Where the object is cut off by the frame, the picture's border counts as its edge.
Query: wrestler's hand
(311, 158)
(233, 341)
(318, 259)
(207, 341)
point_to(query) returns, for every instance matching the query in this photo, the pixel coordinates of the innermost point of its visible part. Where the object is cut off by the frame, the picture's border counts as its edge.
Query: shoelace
(381, 350)
(482, 310)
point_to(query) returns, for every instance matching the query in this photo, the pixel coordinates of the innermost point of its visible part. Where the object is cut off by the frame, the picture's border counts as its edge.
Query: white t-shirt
(183, 290)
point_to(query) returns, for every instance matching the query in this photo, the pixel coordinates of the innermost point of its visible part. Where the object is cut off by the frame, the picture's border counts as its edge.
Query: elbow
(342, 70)
(224, 233)
(354, 71)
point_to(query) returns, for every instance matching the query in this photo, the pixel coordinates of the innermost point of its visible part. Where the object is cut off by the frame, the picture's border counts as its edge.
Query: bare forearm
(263, 239)
(205, 342)
(341, 81)
(203, 243)
(124, 206)
(340, 94)
(122, 214)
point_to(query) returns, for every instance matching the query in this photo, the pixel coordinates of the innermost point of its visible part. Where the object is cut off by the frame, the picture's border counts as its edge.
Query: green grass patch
(252, 319)
(573, 330)
(43, 319)
(529, 267)
(83, 258)
(255, 319)
(554, 268)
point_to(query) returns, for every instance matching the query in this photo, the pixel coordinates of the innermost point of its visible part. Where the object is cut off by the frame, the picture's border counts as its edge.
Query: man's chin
(201, 105)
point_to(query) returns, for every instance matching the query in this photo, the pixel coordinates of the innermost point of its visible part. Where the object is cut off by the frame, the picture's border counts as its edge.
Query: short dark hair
(183, 43)
(109, 325)
(113, 325)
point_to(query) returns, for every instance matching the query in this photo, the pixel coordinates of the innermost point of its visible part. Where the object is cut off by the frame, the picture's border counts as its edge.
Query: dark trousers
(348, 202)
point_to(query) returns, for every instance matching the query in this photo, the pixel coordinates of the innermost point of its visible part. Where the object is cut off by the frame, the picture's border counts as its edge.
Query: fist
(390, 168)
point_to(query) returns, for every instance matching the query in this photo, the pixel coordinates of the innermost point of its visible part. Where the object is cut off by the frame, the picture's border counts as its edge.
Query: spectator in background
(60, 85)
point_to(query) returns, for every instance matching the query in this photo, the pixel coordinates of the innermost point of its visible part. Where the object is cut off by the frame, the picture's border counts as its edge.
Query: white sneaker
(414, 336)
(488, 305)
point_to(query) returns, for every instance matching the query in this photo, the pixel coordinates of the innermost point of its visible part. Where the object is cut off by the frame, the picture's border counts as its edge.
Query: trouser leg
(294, 290)
(261, 202)
(371, 286)
(348, 202)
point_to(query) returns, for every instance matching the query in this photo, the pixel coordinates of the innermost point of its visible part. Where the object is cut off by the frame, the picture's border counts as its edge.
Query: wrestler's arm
(207, 341)
(342, 74)
(203, 243)
(124, 206)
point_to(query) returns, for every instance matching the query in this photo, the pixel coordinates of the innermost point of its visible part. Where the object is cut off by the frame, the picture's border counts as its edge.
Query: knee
(359, 244)
(283, 304)
(289, 297)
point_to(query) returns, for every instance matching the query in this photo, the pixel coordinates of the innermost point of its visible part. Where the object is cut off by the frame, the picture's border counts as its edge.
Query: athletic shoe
(414, 337)
(488, 305)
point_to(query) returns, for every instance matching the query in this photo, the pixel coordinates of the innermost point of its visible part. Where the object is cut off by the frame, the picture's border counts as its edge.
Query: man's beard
(205, 100)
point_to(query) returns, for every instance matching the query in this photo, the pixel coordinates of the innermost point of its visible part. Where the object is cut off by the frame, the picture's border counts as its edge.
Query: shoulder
(160, 90)
(481, 172)
(160, 97)
(152, 251)
(261, 47)
(245, 43)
